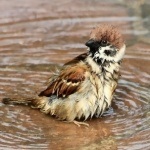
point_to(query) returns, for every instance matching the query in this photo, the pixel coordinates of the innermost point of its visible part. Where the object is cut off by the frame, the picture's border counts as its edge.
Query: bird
(84, 87)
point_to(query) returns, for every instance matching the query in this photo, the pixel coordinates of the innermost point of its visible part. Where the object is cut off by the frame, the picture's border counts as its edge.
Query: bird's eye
(103, 43)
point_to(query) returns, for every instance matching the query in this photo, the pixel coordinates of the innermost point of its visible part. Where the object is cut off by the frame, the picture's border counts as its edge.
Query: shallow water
(37, 37)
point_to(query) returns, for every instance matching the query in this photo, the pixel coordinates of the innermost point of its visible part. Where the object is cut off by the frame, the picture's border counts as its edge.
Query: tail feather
(38, 102)
(17, 101)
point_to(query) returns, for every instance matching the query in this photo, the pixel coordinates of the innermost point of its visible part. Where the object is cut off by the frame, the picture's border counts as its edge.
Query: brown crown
(108, 33)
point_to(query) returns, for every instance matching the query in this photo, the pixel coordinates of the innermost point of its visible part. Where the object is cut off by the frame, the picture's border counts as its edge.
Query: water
(37, 37)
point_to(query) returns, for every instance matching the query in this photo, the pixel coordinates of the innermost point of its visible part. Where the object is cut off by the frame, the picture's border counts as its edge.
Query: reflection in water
(36, 36)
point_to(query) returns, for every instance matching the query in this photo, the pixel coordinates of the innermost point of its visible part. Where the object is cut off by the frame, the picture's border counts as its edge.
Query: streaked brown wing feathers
(67, 83)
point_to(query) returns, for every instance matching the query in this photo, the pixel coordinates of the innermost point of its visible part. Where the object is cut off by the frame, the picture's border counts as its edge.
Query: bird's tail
(41, 103)
(18, 101)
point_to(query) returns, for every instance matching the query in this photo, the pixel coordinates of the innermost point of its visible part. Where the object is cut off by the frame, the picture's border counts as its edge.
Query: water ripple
(36, 36)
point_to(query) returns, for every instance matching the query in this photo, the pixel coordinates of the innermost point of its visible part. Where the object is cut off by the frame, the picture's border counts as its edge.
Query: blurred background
(37, 36)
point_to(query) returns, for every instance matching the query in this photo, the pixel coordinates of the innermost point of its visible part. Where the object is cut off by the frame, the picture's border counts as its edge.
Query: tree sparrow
(84, 87)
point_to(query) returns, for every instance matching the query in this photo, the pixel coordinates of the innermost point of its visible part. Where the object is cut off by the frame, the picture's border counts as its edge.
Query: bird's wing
(67, 82)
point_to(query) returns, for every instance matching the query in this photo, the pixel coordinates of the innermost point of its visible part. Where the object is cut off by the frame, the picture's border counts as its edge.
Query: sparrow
(85, 86)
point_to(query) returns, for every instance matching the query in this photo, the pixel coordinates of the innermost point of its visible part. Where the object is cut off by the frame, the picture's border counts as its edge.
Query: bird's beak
(90, 43)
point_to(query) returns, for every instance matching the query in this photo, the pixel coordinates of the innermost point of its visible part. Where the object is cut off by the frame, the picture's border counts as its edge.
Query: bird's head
(106, 44)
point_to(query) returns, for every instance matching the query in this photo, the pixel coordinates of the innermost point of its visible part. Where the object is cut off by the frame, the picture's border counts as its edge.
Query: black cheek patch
(107, 52)
(110, 52)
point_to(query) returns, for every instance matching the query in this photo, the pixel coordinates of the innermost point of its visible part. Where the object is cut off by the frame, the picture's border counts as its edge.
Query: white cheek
(102, 49)
(103, 55)
(120, 53)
